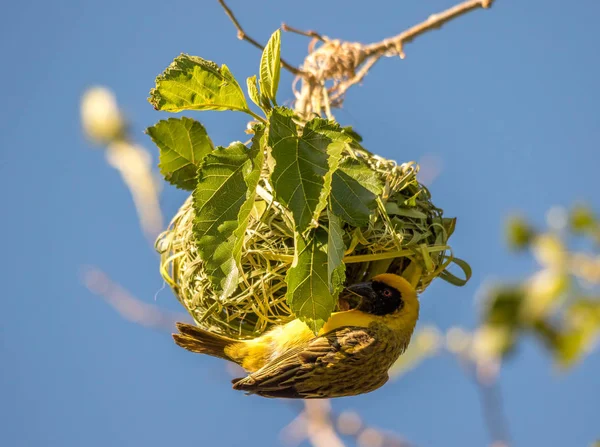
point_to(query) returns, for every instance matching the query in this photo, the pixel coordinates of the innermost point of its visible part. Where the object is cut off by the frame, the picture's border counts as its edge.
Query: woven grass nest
(408, 240)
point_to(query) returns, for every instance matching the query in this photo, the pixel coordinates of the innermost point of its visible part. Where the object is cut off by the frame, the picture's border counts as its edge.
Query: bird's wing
(302, 372)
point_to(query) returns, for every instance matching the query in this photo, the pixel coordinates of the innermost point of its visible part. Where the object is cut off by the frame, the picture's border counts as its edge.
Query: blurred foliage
(425, 343)
(560, 303)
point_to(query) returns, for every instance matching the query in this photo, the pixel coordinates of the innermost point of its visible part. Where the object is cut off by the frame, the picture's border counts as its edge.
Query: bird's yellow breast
(254, 354)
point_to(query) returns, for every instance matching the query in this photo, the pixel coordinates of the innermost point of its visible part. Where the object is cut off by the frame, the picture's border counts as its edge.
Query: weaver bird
(351, 354)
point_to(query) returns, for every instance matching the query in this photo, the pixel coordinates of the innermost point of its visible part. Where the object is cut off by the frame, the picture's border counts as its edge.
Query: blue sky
(506, 98)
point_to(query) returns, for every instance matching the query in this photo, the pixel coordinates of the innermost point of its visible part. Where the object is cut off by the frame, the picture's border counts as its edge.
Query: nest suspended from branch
(406, 240)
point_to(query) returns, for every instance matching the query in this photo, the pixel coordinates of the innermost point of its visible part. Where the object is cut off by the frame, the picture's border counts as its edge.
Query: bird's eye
(387, 293)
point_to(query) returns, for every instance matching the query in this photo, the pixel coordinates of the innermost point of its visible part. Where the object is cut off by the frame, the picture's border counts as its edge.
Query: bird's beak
(352, 296)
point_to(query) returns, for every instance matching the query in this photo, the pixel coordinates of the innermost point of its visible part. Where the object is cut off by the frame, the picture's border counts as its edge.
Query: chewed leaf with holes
(193, 83)
(183, 144)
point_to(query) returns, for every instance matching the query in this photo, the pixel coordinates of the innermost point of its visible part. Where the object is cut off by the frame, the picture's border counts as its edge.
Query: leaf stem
(255, 116)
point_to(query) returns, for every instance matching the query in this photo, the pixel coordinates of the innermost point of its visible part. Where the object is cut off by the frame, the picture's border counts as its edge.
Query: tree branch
(241, 34)
(309, 33)
(435, 21)
(347, 63)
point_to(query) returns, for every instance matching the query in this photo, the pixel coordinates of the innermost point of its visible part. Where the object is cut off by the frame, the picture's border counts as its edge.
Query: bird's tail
(198, 340)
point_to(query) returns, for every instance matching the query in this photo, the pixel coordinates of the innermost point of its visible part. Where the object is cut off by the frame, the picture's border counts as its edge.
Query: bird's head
(384, 295)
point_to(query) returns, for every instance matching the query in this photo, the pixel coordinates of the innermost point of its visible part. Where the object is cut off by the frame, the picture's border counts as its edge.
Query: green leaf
(270, 66)
(301, 164)
(308, 292)
(355, 136)
(183, 144)
(336, 270)
(393, 209)
(519, 233)
(192, 83)
(503, 306)
(455, 280)
(362, 173)
(319, 133)
(223, 200)
(354, 191)
(582, 219)
(412, 201)
(449, 224)
(252, 178)
(253, 90)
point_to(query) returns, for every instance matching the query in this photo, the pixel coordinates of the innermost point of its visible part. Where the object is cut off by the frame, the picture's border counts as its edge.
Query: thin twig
(435, 21)
(134, 163)
(309, 33)
(241, 34)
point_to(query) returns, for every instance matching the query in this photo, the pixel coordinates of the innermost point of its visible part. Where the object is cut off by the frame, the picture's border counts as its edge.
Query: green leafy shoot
(308, 293)
(223, 200)
(183, 144)
(270, 67)
(193, 83)
(253, 90)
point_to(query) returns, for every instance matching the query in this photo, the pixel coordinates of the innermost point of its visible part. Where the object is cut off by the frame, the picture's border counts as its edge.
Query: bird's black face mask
(372, 297)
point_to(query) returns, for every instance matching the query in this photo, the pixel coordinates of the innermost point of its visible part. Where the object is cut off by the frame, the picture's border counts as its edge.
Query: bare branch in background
(313, 424)
(483, 371)
(135, 165)
(105, 125)
(317, 424)
(129, 307)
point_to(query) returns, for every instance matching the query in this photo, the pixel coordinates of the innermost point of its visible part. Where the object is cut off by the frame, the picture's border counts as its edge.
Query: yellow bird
(351, 354)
